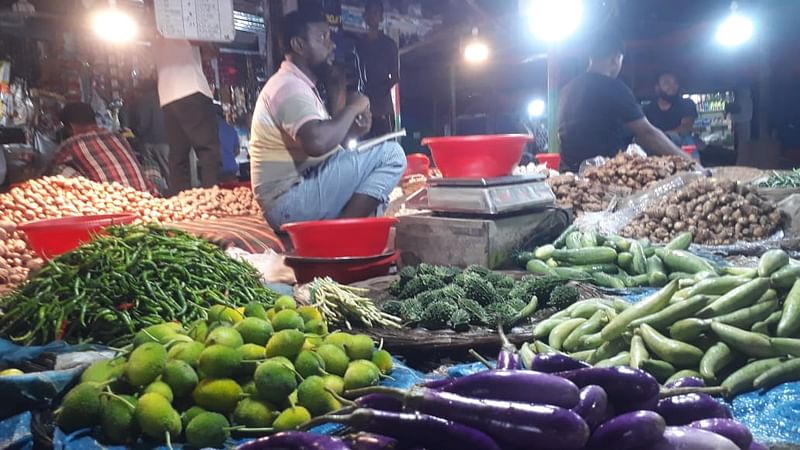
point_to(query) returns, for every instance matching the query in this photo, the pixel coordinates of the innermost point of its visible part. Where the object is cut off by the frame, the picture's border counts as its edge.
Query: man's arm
(318, 137)
(653, 140)
(686, 127)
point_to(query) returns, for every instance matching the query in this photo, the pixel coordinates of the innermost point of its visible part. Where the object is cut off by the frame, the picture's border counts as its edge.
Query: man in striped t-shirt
(97, 154)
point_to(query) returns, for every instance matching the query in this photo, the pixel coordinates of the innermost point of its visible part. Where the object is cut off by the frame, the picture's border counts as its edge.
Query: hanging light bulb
(476, 51)
(114, 25)
(736, 29)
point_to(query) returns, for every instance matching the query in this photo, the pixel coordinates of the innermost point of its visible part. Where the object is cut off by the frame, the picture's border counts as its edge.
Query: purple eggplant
(296, 440)
(686, 382)
(508, 358)
(437, 384)
(522, 386)
(365, 441)
(592, 406)
(628, 431)
(685, 409)
(757, 446)
(414, 429)
(687, 438)
(729, 428)
(543, 427)
(380, 402)
(555, 362)
(627, 389)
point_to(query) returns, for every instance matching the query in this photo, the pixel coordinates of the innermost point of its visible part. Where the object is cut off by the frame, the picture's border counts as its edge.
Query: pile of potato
(637, 172)
(715, 212)
(56, 197)
(580, 194)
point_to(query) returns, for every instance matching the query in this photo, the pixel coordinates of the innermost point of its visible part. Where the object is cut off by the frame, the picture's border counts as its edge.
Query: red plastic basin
(340, 238)
(487, 156)
(342, 270)
(50, 238)
(551, 160)
(418, 164)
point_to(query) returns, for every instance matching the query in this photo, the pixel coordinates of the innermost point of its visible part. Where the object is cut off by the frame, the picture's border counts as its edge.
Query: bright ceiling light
(476, 52)
(114, 25)
(554, 20)
(536, 109)
(735, 30)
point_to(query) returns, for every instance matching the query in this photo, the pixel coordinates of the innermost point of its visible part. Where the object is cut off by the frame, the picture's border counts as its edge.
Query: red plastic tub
(489, 156)
(551, 160)
(50, 238)
(418, 164)
(355, 238)
(342, 270)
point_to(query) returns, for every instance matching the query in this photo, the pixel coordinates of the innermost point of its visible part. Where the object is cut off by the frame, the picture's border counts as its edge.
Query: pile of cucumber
(615, 262)
(736, 327)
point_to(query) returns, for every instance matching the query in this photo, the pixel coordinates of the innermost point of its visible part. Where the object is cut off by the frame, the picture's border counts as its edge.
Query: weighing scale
(487, 196)
(478, 221)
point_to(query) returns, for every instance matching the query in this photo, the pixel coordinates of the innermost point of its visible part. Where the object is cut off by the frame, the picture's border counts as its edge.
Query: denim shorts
(326, 189)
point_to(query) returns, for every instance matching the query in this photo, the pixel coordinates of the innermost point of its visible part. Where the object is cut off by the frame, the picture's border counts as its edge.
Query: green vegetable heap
(136, 276)
(438, 297)
(246, 371)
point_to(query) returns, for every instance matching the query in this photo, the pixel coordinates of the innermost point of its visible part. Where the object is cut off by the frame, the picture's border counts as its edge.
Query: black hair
(373, 4)
(77, 114)
(667, 72)
(295, 24)
(606, 44)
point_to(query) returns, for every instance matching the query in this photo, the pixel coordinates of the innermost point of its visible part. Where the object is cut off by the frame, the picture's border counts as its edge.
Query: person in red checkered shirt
(98, 154)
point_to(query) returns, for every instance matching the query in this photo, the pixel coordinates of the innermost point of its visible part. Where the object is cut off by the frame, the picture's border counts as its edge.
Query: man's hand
(359, 102)
(362, 124)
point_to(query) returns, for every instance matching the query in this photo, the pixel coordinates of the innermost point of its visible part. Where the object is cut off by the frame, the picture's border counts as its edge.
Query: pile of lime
(248, 371)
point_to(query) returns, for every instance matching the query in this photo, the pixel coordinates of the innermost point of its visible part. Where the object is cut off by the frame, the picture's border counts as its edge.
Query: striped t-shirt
(103, 156)
(288, 101)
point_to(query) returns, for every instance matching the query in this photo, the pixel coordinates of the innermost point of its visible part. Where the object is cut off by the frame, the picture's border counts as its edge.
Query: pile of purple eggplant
(564, 405)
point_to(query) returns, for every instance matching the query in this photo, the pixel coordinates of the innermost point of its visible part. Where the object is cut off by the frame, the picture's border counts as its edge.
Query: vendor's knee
(395, 156)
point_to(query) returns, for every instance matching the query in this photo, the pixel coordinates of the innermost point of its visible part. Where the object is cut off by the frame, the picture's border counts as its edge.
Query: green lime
(220, 395)
(383, 360)
(287, 343)
(288, 319)
(359, 346)
(160, 388)
(256, 310)
(291, 419)
(361, 374)
(309, 363)
(339, 338)
(80, 407)
(208, 429)
(335, 383)
(104, 370)
(145, 364)
(227, 336)
(285, 302)
(180, 377)
(254, 331)
(117, 419)
(314, 396)
(219, 361)
(274, 381)
(309, 313)
(335, 358)
(253, 414)
(156, 417)
(188, 352)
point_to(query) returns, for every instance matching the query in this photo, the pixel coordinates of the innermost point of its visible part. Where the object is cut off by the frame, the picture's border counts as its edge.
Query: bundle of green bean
(736, 327)
(341, 304)
(782, 180)
(136, 276)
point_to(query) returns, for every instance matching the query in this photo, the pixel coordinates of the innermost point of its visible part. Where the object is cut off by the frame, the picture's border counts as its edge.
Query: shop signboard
(196, 20)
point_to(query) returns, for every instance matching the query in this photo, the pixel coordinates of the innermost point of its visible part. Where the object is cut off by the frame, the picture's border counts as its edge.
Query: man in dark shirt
(670, 112)
(597, 111)
(378, 54)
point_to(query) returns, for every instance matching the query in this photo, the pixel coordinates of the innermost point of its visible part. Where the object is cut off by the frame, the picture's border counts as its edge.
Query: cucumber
(523, 258)
(540, 267)
(654, 264)
(639, 264)
(543, 328)
(586, 256)
(715, 359)
(543, 348)
(645, 307)
(769, 325)
(622, 359)
(638, 352)
(544, 252)
(785, 277)
(689, 330)
(636, 281)
(742, 380)
(589, 240)
(784, 372)
(683, 261)
(747, 317)
(744, 272)
(607, 281)
(625, 261)
(593, 325)
(685, 373)
(790, 320)
(583, 355)
(771, 262)
(621, 244)
(561, 240)
(552, 263)
(679, 276)
(717, 286)
(740, 297)
(569, 273)
(681, 242)
(660, 370)
(663, 319)
(605, 268)
(562, 331)
(573, 240)
(609, 349)
(748, 343)
(587, 308)
(768, 296)
(672, 351)
(786, 346)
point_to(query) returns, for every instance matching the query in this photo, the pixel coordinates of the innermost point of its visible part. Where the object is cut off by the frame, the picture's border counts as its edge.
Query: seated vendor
(300, 170)
(95, 153)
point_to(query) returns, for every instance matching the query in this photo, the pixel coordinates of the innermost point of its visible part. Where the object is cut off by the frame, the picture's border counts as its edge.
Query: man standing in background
(379, 55)
(670, 112)
(188, 113)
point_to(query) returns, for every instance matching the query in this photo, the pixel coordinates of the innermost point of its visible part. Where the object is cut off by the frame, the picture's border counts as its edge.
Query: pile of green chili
(134, 277)
(782, 180)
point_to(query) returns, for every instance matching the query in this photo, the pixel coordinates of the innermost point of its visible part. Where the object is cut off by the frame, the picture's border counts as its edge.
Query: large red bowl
(342, 270)
(340, 238)
(489, 156)
(50, 238)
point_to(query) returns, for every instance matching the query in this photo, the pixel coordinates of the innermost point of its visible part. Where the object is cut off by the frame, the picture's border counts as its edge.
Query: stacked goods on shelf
(716, 213)
(438, 297)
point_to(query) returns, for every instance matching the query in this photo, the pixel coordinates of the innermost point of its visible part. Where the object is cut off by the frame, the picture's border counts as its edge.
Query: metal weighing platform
(478, 221)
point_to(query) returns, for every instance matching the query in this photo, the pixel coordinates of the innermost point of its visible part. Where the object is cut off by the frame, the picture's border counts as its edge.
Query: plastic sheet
(15, 432)
(772, 416)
